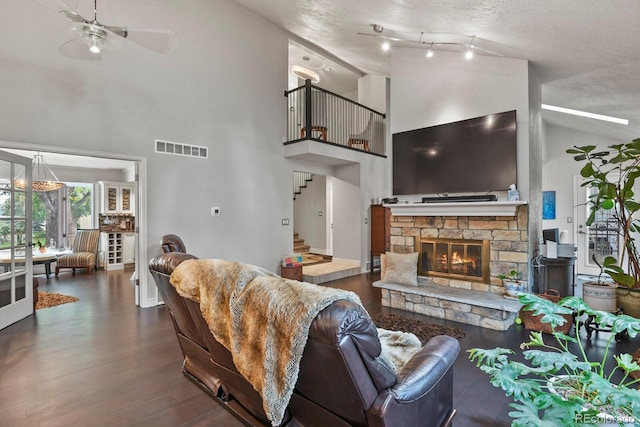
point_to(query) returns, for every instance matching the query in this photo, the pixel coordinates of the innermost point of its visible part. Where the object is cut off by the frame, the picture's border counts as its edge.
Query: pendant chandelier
(43, 177)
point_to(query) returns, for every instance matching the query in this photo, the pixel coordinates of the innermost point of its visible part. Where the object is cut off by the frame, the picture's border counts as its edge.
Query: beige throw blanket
(261, 318)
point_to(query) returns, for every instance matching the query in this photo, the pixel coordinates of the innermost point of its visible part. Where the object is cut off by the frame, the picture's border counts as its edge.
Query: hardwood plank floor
(102, 361)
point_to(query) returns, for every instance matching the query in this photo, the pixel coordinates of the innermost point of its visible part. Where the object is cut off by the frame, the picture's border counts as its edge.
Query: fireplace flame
(457, 259)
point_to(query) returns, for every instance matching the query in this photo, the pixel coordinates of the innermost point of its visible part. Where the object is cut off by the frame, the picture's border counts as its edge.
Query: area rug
(51, 299)
(423, 330)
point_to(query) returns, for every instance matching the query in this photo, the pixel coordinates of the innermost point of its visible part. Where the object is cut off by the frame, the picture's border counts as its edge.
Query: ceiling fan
(91, 38)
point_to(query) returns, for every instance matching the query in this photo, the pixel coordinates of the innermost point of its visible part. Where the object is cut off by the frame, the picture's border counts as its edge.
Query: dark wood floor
(102, 361)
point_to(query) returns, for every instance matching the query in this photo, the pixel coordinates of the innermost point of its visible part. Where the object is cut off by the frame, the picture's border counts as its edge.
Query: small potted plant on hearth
(512, 284)
(554, 383)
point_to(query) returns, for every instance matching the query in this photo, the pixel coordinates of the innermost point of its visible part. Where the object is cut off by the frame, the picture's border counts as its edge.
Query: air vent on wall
(179, 149)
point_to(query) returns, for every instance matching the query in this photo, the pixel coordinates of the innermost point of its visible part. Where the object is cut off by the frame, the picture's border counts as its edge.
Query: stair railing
(316, 114)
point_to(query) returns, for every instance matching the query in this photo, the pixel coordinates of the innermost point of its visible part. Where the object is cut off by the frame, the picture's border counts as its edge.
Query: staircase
(298, 244)
(300, 180)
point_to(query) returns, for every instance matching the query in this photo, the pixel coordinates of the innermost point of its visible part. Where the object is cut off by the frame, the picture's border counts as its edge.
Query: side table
(294, 273)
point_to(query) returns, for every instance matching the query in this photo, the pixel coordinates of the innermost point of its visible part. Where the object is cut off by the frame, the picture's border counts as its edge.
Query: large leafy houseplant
(614, 173)
(598, 391)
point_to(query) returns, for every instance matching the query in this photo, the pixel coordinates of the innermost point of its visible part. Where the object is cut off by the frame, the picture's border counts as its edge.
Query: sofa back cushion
(340, 370)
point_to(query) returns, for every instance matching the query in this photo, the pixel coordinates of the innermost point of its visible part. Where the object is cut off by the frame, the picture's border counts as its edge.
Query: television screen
(469, 156)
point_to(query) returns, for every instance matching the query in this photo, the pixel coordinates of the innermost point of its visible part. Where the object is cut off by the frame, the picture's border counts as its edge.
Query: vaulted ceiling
(585, 53)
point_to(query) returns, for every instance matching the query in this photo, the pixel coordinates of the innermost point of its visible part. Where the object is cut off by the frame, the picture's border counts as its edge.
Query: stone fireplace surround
(480, 304)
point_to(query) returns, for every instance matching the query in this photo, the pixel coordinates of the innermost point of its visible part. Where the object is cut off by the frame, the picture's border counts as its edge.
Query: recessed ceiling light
(386, 46)
(585, 114)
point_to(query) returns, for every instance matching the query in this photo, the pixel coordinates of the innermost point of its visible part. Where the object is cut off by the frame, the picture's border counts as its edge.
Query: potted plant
(513, 286)
(613, 174)
(41, 247)
(557, 384)
(600, 294)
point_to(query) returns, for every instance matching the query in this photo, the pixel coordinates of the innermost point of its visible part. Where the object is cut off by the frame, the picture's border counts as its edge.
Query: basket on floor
(534, 323)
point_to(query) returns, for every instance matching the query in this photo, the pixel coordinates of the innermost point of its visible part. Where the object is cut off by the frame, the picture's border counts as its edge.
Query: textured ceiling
(585, 52)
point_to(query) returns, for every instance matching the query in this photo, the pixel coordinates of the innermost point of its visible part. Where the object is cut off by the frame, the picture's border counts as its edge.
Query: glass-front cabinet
(117, 197)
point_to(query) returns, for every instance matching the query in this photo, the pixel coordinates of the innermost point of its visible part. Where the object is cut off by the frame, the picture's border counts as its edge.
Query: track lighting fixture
(429, 53)
(457, 42)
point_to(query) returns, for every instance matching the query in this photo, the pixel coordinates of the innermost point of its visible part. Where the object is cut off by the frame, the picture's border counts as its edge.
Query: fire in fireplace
(454, 258)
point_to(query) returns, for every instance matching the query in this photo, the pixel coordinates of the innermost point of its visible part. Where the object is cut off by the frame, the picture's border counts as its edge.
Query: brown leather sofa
(341, 382)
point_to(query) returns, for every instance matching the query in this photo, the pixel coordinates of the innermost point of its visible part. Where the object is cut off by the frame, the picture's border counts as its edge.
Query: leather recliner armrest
(425, 369)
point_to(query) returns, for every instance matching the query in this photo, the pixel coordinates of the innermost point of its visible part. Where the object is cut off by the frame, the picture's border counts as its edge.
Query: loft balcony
(318, 119)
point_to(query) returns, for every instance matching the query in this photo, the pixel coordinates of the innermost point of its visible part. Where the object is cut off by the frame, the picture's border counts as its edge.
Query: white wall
(310, 214)
(447, 88)
(206, 94)
(347, 213)
(559, 170)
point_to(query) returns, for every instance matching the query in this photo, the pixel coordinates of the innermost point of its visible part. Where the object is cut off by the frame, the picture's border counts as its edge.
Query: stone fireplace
(454, 258)
(503, 238)
(461, 256)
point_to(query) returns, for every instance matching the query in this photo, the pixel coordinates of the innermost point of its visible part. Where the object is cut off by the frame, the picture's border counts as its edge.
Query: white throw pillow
(401, 269)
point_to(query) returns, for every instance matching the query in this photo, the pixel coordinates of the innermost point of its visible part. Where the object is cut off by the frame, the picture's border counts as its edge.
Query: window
(58, 214)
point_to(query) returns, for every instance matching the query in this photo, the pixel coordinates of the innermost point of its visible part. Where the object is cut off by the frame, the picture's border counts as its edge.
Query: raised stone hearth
(472, 301)
(476, 308)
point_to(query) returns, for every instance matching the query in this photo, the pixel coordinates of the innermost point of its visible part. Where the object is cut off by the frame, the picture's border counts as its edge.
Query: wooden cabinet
(380, 235)
(117, 197)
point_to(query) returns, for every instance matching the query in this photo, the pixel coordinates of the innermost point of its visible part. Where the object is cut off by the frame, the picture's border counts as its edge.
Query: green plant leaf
(626, 363)
(492, 357)
(508, 379)
(553, 362)
(607, 204)
(587, 170)
(551, 312)
(625, 323)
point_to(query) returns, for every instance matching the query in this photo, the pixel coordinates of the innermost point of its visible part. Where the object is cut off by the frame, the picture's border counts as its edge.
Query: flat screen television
(469, 156)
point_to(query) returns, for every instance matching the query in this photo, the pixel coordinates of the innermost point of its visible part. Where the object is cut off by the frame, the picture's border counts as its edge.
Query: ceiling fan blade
(157, 40)
(62, 7)
(76, 49)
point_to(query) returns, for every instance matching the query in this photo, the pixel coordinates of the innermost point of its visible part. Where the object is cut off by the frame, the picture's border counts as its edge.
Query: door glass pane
(112, 199)
(5, 292)
(20, 232)
(19, 204)
(5, 233)
(474, 258)
(602, 234)
(20, 288)
(126, 199)
(5, 174)
(441, 264)
(458, 260)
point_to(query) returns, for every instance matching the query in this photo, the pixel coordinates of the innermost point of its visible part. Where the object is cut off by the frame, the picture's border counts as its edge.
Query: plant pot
(600, 296)
(514, 289)
(629, 300)
(42, 250)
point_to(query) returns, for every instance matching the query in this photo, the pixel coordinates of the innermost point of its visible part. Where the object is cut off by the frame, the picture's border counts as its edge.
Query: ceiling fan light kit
(91, 38)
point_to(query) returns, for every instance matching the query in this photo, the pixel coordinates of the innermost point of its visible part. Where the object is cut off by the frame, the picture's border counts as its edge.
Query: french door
(598, 240)
(16, 289)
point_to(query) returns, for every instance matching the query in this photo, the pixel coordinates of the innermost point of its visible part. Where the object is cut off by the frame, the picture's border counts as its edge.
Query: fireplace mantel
(497, 208)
